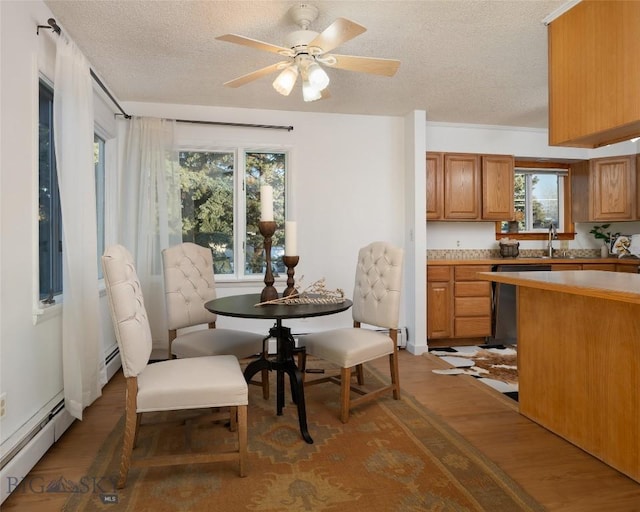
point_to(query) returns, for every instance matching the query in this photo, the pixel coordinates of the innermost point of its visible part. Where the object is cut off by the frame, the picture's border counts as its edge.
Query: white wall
(522, 143)
(347, 190)
(30, 343)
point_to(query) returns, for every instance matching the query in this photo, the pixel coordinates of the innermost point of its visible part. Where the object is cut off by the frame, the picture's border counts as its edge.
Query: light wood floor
(558, 475)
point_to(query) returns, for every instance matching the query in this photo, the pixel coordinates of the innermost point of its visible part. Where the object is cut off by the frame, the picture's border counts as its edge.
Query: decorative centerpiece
(267, 227)
(600, 233)
(315, 293)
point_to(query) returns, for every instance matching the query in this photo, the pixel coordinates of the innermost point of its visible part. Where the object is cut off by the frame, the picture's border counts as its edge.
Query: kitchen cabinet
(609, 267)
(472, 302)
(497, 187)
(435, 185)
(604, 189)
(439, 302)
(462, 186)
(469, 187)
(594, 77)
(632, 269)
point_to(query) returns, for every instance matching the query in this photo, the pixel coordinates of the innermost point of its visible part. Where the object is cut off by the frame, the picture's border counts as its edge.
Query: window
(99, 164)
(538, 195)
(221, 208)
(49, 215)
(541, 198)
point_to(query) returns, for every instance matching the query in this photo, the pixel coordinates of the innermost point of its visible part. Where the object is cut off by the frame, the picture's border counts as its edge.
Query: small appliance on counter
(509, 248)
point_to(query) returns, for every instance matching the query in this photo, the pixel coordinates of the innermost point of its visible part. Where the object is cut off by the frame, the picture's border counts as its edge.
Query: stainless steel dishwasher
(504, 303)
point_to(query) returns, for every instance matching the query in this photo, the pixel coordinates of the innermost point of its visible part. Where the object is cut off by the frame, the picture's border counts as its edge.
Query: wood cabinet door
(435, 186)
(497, 187)
(462, 186)
(613, 186)
(439, 311)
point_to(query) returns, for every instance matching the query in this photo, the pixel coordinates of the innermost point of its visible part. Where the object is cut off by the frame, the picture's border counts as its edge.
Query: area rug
(393, 455)
(494, 365)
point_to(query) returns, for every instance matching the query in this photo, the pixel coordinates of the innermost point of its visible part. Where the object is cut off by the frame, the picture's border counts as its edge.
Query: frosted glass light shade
(317, 76)
(286, 80)
(309, 92)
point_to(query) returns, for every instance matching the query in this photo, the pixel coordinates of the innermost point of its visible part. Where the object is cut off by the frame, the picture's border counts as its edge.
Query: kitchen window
(221, 207)
(541, 198)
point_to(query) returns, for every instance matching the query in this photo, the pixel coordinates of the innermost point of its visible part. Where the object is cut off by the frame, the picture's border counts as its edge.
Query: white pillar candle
(290, 238)
(266, 203)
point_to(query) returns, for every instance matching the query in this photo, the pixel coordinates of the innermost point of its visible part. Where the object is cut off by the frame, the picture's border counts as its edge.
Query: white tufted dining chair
(376, 302)
(175, 384)
(189, 283)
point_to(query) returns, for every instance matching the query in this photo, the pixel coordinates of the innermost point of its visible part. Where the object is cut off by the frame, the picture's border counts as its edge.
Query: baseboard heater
(22, 457)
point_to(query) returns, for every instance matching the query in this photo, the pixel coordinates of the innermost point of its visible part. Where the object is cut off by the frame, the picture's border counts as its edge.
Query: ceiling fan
(307, 52)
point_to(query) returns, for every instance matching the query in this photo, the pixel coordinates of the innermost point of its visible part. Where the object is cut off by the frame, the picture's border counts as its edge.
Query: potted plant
(600, 233)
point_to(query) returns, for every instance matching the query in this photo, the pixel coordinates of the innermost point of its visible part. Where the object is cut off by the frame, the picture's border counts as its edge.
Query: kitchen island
(579, 359)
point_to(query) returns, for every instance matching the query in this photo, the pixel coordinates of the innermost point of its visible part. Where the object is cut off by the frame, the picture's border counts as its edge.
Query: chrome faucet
(553, 235)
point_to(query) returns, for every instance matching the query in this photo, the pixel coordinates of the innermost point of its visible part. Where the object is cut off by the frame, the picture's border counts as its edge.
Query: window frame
(567, 230)
(240, 201)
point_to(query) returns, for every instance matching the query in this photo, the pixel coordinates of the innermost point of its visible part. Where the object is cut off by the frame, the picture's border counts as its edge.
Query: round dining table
(246, 306)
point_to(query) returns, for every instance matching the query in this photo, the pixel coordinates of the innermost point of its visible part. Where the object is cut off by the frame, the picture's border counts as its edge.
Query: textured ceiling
(462, 61)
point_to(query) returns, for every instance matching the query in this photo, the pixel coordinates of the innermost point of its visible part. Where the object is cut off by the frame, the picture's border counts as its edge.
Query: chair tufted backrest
(376, 294)
(127, 309)
(189, 282)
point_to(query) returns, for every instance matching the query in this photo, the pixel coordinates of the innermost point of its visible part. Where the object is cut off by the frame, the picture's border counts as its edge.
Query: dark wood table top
(244, 306)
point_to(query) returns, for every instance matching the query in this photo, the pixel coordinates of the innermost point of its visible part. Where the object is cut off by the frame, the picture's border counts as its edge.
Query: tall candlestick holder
(267, 229)
(290, 262)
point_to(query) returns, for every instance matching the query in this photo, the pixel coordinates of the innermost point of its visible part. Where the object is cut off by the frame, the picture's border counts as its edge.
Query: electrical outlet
(3, 405)
(457, 243)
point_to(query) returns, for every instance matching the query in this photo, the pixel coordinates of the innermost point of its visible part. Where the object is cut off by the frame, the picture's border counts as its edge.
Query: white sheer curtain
(84, 371)
(150, 216)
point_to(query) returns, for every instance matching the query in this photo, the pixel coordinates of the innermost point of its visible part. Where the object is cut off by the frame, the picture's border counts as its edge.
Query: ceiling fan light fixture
(317, 76)
(286, 80)
(309, 92)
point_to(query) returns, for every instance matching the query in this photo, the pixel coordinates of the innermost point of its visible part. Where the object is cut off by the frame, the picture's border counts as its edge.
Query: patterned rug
(392, 456)
(494, 365)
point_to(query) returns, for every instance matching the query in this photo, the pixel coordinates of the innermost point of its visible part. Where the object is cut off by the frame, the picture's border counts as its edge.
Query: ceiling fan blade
(339, 32)
(254, 75)
(385, 67)
(254, 43)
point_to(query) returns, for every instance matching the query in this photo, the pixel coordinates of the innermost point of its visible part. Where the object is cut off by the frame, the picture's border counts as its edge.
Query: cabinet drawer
(633, 269)
(468, 272)
(609, 267)
(473, 289)
(472, 327)
(472, 306)
(438, 273)
(566, 266)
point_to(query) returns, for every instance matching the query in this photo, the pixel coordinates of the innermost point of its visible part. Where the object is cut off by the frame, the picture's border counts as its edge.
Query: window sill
(42, 312)
(534, 236)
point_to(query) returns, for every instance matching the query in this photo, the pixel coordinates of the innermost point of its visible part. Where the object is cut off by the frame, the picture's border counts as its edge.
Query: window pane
(206, 182)
(49, 216)
(264, 168)
(539, 199)
(98, 160)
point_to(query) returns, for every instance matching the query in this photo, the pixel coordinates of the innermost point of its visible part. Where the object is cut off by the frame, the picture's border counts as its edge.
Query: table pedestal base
(284, 363)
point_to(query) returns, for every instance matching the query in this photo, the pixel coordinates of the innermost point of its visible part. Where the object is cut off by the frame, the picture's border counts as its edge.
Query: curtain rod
(52, 25)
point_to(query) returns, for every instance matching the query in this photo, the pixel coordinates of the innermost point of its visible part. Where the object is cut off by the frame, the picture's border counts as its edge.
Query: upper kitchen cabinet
(594, 75)
(469, 187)
(604, 189)
(497, 187)
(462, 184)
(435, 186)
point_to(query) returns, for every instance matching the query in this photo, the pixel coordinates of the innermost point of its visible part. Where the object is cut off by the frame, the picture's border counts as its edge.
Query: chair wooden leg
(138, 421)
(395, 374)
(345, 393)
(265, 384)
(360, 374)
(233, 419)
(130, 424)
(242, 439)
